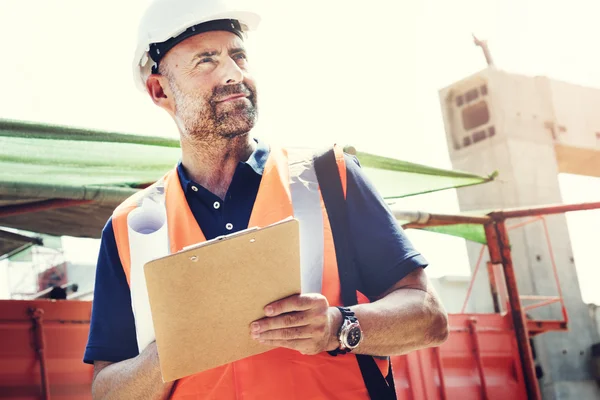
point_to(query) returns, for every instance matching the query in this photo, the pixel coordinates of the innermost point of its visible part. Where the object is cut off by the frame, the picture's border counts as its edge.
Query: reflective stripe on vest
(306, 201)
(288, 187)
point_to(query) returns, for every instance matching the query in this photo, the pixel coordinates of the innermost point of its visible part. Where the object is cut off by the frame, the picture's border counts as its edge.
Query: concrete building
(530, 129)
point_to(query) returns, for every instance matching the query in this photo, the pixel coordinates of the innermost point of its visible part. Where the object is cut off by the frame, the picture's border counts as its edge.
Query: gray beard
(203, 119)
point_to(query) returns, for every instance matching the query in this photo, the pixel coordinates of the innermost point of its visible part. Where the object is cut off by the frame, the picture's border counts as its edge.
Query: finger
(304, 346)
(288, 320)
(297, 302)
(298, 332)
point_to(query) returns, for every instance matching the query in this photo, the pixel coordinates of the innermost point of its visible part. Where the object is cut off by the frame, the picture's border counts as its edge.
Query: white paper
(148, 240)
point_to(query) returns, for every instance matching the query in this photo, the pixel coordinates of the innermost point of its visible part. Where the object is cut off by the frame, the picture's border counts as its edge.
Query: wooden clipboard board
(204, 297)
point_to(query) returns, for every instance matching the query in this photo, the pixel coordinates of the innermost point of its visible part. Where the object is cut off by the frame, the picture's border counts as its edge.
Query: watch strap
(347, 315)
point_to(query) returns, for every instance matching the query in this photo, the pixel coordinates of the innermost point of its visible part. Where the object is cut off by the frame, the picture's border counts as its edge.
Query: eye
(205, 60)
(240, 56)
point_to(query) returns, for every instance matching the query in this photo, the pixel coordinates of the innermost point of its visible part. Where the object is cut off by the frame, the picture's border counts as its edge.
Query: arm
(407, 317)
(136, 378)
(120, 371)
(392, 275)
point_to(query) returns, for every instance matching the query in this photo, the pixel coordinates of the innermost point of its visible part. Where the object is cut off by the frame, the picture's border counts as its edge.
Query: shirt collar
(258, 158)
(256, 161)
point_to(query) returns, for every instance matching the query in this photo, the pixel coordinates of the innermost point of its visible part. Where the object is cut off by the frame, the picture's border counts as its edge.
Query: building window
(459, 101)
(484, 90)
(471, 95)
(475, 115)
(466, 141)
(491, 131)
(478, 136)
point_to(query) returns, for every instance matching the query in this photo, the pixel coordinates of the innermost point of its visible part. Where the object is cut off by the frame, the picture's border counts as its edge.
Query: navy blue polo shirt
(383, 252)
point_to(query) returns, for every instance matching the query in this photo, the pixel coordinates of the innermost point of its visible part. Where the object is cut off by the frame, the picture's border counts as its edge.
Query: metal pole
(543, 210)
(542, 303)
(40, 344)
(417, 219)
(473, 276)
(518, 316)
(440, 367)
(555, 271)
(494, 287)
(478, 358)
(420, 218)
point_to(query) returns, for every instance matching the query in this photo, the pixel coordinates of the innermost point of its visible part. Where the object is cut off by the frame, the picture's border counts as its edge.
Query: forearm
(404, 320)
(136, 378)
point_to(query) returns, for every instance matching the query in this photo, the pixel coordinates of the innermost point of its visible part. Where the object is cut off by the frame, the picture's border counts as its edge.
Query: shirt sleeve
(382, 251)
(112, 328)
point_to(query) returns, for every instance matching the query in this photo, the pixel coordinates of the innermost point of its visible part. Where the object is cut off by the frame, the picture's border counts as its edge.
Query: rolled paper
(148, 240)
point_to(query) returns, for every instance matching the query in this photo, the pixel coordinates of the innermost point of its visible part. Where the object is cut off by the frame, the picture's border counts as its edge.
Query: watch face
(354, 336)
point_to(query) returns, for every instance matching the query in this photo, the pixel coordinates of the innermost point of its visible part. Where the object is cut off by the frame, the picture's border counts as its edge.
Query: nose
(232, 73)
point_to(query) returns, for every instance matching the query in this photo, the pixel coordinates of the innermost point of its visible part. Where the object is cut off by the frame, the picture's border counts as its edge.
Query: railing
(502, 277)
(499, 291)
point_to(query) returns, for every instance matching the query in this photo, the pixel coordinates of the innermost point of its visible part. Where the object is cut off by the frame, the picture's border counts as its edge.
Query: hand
(302, 322)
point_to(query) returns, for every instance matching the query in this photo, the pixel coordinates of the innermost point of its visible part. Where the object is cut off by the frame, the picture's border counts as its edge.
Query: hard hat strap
(159, 50)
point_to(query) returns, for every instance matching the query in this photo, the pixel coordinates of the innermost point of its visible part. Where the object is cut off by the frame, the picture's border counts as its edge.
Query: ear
(159, 90)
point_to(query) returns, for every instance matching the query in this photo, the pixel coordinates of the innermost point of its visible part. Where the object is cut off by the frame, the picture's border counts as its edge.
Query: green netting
(10, 128)
(397, 178)
(72, 162)
(472, 232)
(37, 156)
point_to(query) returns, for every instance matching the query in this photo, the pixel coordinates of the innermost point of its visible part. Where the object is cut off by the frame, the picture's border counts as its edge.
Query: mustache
(221, 92)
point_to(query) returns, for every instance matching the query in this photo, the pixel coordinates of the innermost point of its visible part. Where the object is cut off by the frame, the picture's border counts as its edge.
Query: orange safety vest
(280, 373)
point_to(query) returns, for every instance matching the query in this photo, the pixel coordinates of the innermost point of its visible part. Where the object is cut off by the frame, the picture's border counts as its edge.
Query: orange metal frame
(504, 287)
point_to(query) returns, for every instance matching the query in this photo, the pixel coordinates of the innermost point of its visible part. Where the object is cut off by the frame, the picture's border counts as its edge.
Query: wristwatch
(349, 335)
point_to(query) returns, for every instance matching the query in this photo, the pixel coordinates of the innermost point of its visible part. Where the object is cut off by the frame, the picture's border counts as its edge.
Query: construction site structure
(526, 334)
(531, 129)
(487, 355)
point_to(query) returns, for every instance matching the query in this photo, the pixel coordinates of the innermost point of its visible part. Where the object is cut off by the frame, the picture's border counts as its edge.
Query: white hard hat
(166, 19)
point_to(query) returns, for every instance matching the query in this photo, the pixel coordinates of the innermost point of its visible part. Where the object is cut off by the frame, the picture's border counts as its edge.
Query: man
(198, 71)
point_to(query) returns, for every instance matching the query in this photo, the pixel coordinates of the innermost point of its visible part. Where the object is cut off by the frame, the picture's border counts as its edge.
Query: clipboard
(204, 297)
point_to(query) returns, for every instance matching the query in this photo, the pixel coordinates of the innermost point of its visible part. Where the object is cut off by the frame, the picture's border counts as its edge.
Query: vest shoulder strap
(334, 196)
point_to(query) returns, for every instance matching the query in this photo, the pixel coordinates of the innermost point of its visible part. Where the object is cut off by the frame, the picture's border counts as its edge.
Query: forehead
(213, 40)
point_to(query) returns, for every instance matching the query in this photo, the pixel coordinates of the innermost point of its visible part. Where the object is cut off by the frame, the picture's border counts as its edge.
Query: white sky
(351, 72)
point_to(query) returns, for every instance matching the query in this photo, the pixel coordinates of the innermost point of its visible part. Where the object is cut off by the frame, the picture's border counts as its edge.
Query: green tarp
(65, 161)
(397, 178)
(472, 232)
(46, 162)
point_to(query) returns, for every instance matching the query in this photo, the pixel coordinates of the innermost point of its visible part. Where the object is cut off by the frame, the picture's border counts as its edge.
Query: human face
(213, 93)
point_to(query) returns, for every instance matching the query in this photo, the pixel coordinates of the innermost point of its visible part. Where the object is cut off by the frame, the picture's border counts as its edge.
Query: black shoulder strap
(330, 185)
